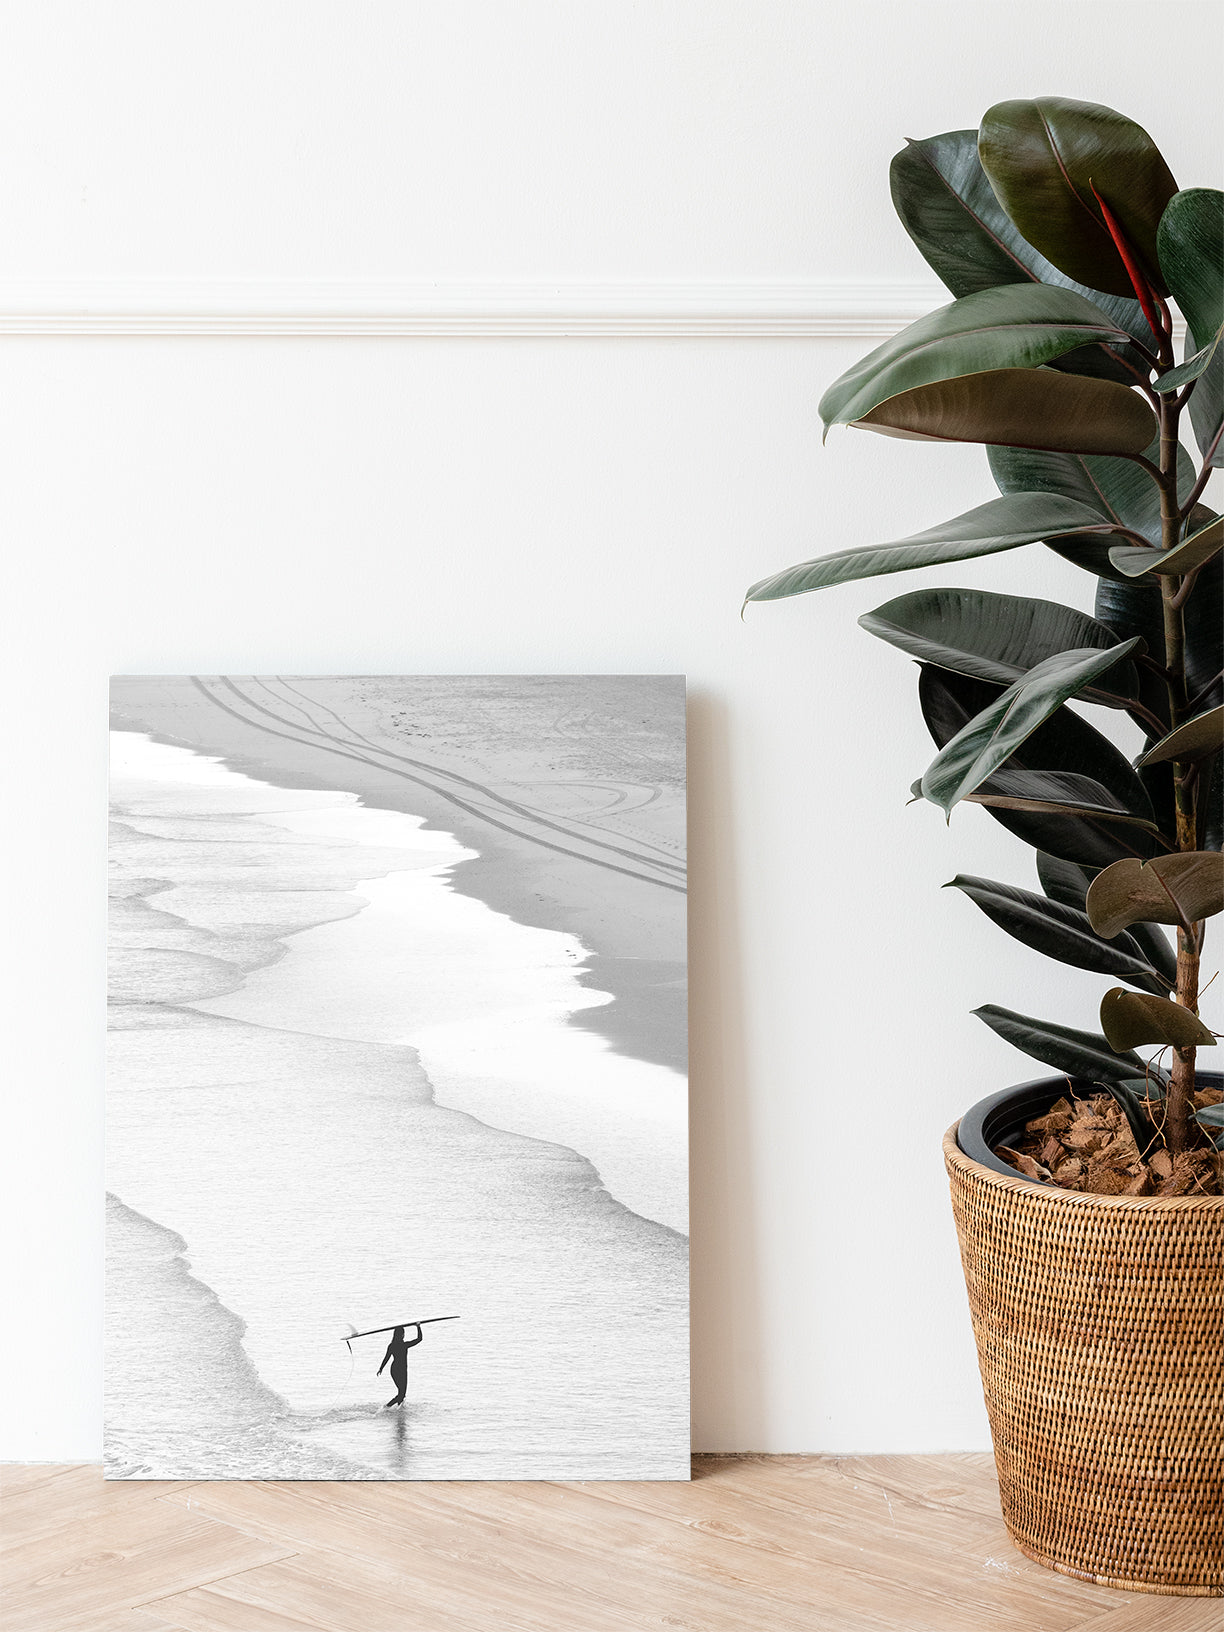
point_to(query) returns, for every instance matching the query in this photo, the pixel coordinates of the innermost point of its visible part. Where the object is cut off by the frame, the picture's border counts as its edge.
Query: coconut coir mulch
(1087, 1144)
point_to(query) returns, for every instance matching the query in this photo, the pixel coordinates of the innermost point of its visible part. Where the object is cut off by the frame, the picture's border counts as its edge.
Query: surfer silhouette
(397, 1354)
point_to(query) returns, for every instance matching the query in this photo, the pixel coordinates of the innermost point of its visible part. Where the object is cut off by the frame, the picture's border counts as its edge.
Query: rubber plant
(1061, 233)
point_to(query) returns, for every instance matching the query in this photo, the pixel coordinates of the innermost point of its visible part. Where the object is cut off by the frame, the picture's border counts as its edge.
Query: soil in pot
(1088, 1144)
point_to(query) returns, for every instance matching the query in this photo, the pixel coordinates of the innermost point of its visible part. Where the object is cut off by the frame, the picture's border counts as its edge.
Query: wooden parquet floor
(754, 1544)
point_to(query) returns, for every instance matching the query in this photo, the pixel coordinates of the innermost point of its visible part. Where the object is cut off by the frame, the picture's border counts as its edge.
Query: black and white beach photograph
(397, 1096)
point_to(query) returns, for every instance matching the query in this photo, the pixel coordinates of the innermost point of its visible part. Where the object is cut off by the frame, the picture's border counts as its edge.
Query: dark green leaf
(1135, 607)
(1064, 881)
(1176, 889)
(1059, 932)
(1156, 949)
(996, 637)
(1154, 946)
(988, 741)
(1131, 1096)
(1192, 552)
(1064, 745)
(1128, 1018)
(1194, 366)
(1189, 239)
(1023, 408)
(1211, 811)
(1067, 882)
(1119, 491)
(1032, 408)
(1203, 618)
(1116, 489)
(1051, 793)
(1207, 409)
(949, 209)
(1158, 783)
(1078, 1053)
(1054, 792)
(1211, 1117)
(1044, 159)
(1194, 739)
(1015, 326)
(1000, 524)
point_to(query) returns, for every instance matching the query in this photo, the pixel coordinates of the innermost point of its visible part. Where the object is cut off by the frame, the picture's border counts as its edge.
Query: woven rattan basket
(1099, 1323)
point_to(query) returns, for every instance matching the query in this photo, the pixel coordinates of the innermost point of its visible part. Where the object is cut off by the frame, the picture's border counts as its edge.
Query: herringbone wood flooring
(754, 1544)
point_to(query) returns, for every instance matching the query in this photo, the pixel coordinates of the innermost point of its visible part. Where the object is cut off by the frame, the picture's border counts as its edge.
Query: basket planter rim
(956, 1158)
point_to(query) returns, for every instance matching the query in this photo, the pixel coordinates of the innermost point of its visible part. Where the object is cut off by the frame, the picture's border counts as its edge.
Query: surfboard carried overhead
(376, 1331)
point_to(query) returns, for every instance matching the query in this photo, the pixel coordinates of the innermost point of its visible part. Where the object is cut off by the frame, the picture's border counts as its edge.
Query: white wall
(348, 504)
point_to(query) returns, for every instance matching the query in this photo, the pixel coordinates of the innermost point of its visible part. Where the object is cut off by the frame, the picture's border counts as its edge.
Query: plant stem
(1181, 1085)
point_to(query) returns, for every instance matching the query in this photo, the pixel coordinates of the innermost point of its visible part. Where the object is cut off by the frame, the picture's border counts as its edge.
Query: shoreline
(632, 925)
(242, 1409)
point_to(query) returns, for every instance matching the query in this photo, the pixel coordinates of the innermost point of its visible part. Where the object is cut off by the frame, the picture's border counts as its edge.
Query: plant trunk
(1181, 1085)
(1177, 1118)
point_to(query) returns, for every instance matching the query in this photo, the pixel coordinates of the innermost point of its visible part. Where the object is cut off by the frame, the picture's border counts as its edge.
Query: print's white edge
(796, 308)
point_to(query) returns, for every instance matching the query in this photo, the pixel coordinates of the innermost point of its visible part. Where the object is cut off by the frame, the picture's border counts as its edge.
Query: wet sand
(571, 790)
